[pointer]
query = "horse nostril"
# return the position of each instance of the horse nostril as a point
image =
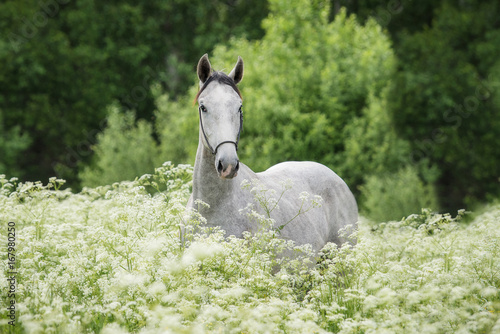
(220, 167)
(237, 167)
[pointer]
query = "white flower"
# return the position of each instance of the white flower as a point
(127, 279)
(157, 288)
(198, 251)
(490, 292)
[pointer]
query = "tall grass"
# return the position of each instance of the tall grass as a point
(110, 259)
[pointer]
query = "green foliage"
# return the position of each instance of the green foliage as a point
(376, 159)
(12, 143)
(177, 127)
(111, 260)
(394, 196)
(372, 146)
(315, 80)
(167, 178)
(455, 82)
(306, 81)
(305, 84)
(444, 96)
(398, 17)
(64, 62)
(125, 150)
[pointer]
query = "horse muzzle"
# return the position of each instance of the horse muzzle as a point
(227, 168)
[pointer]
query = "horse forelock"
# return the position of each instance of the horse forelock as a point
(221, 78)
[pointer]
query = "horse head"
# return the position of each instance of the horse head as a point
(221, 117)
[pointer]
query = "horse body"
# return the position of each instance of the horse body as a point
(218, 174)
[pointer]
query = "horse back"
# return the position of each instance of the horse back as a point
(339, 205)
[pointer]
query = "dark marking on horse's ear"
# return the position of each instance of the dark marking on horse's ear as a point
(237, 73)
(204, 69)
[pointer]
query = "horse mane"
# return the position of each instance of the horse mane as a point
(220, 77)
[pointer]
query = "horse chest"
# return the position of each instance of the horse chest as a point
(223, 209)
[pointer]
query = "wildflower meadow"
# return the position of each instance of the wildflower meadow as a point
(111, 259)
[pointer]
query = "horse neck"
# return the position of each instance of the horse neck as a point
(207, 185)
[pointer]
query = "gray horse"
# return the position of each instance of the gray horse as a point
(218, 174)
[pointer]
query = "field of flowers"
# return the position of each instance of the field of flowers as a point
(111, 260)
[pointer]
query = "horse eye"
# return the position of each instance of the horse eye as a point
(202, 108)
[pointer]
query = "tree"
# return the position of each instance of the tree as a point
(125, 150)
(306, 81)
(444, 96)
(64, 63)
(445, 99)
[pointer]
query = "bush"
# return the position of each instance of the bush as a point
(125, 150)
(372, 146)
(394, 196)
(177, 126)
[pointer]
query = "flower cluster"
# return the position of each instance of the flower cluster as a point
(111, 260)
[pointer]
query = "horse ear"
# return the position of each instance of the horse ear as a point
(204, 69)
(237, 73)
